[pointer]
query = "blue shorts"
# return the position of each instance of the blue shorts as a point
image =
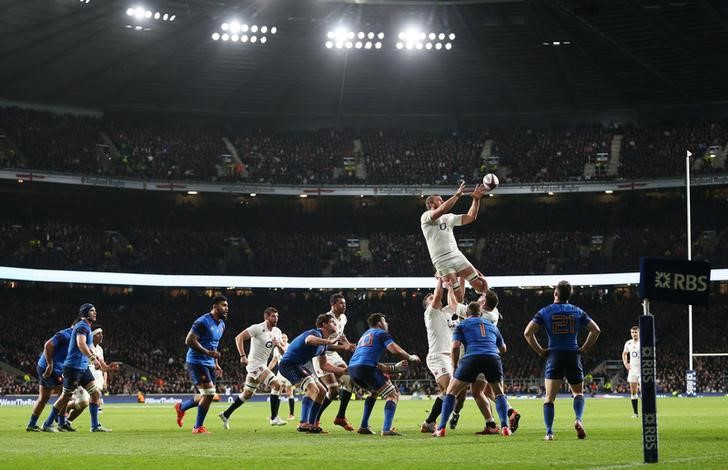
(294, 373)
(201, 374)
(72, 378)
(567, 364)
(470, 366)
(367, 377)
(55, 380)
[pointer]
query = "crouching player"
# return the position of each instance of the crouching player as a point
(483, 343)
(293, 366)
(365, 372)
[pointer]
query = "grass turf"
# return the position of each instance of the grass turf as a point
(693, 433)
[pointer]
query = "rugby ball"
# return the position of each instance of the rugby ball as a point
(490, 181)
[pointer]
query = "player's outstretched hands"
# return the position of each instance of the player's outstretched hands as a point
(461, 189)
(479, 191)
(401, 366)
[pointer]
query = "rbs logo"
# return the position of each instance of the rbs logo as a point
(679, 281)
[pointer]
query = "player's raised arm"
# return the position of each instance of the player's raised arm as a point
(591, 337)
(530, 334)
(437, 295)
(472, 214)
(447, 205)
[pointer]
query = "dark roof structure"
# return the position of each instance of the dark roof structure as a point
(507, 56)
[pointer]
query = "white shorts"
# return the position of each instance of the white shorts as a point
(256, 369)
(99, 381)
(80, 394)
(439, 364)
(332, 358)
(452, 263)
(633, 377)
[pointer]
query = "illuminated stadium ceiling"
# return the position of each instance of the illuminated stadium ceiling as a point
(506, 57)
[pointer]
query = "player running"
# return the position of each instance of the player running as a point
(437, 226)
(562, 322)
(365, 371)
(631, 361)
(294, 366)
(264, 338)
(202, 361)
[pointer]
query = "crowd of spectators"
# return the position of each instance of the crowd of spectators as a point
(155, 149)
(145, 330)
(59, 244)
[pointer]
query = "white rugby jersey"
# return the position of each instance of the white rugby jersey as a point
(439, 234)
(261, 342)
(340, 325)
(99, 353)
(633, 349)
(439, 325)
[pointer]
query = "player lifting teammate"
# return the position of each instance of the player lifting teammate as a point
(437, 226)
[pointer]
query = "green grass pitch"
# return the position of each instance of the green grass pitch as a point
(693, 433)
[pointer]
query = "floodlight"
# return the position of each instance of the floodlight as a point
(448, 46)
(361, 35)
(349, 44)
(273, 30)
(370, 35)
(400, 45)
(235, 27)
(339, 44)
(130, 12)
(378, 45)
(438, 46)
(234, 37)
(244, 28)
(432, 36)
(263, 29)
(254, 28)
(452, 36)
(380, 35)
(165, 17)
(263, 40)
(428, 46)
(147, 14)
(216, 36)
(418, 45)
(225, 26)
(253, 39)
(368, 45)
(225, 37)
(157, 15)
(358, 45)
(244, 38)
(441, 36)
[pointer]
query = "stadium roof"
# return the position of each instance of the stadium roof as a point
(621, 54)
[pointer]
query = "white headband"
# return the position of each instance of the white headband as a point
(96, 331)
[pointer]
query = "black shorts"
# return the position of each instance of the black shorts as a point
(470, 366)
